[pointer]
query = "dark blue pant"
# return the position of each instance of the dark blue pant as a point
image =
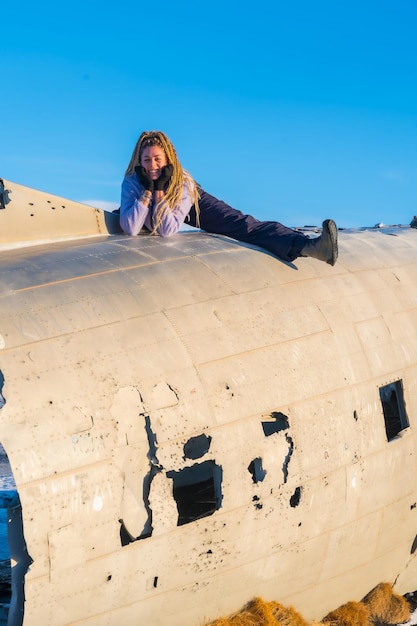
(218, 217)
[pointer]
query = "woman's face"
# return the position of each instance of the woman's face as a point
(153, 160)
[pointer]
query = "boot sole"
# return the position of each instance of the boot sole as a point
(329, 226)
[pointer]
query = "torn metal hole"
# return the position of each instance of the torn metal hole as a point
(4, 195)
(125, 536)
(280, 422)
(2, 398)
(196, 447)
(258, 504)
(154, 468)
(393, 406)
(197, 491)
(256, 470)
(296, 497)
(288, 456)
(12, 547)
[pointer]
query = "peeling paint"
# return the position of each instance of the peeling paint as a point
(288, 456)
(164, 396)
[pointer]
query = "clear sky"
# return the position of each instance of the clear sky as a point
(293, 110)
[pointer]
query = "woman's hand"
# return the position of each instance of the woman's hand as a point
(144, 178)
(166, 173)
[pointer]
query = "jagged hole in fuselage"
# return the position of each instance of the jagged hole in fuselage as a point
(14, 559)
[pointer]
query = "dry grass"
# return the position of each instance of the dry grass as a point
(287, 616)
(380, 606)
(261, 613)
(387, 606)
(349, 614)
(256, 613)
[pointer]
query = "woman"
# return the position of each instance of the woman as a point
(157, 194)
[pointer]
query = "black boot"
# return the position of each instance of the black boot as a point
(323, 248)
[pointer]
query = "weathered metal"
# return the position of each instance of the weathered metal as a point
(192, 422)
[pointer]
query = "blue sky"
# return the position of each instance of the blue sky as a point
(294, 111)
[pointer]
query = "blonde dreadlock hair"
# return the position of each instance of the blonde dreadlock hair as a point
(179, 176)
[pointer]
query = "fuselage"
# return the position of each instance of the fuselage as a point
(192, 422)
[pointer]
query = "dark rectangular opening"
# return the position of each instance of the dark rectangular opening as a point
(197, 491)
(393, 406)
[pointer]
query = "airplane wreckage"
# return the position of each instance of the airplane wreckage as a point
(191, 422)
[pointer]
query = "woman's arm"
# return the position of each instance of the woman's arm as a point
(171, 217)
(134, 205)
(137, 211)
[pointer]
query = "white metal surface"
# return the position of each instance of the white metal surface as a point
(128, 360)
